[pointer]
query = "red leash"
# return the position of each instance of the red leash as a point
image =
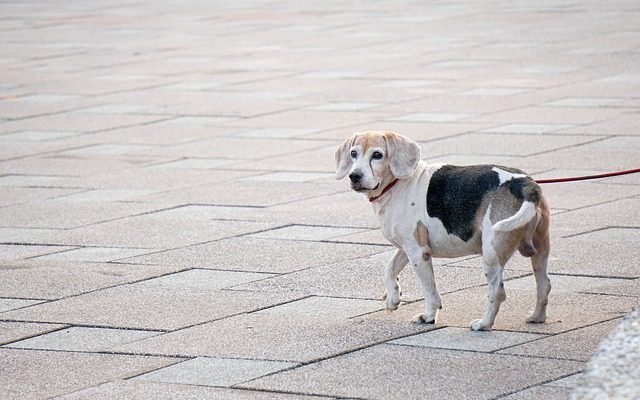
(584, 178)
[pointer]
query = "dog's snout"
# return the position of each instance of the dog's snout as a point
(355, 176)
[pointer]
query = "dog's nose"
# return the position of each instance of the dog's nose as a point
(355, 177)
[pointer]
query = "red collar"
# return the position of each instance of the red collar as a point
(385, 190)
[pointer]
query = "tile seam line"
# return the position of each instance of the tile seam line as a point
(538, 384)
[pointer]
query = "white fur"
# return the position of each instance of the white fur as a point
(524, 215)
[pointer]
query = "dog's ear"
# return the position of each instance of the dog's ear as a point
(403, 153)
(343, 158)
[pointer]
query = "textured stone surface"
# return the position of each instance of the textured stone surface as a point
(167, 194)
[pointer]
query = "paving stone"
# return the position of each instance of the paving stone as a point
(204, 279)
(40, 374)
(325, 307)
(289, 336)
(432, 117)
(148, 307)
(365, 373)
(54, 279)
(215, 371)
(574, 345)
(540, 392)
(257, 255)
(140, 390)
(14, 304)
(82, 339)
(465, 339)
(12, 252)
(362, 278)
(301, 232)
(566, 311)
(14, 331)
(94, 254)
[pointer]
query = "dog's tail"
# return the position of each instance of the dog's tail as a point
(525, 214)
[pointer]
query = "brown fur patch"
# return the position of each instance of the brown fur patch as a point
(421, 234)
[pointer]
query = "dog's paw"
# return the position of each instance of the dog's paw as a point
(420, 319)
(480, 325)
(536, 318)
(391, 301)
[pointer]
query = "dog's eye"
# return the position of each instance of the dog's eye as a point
(354, 154)
(376, 155)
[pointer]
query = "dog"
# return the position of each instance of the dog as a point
(439, 210)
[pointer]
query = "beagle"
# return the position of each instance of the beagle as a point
(439, 210)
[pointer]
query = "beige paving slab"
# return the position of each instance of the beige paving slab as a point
(140, 390)
(53, 279)
(258, 255)
(14, 331)
(366, 374)
(40, 374)
(576, 345)
(288, 336)
(218, 372)
(147, 307)
(82, 339)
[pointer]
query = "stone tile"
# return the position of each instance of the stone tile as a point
(141, 390)
(98, 195)
(288, 337)
(585, 102)
(365, 373)
(432, 117)
(540, 392)
(325, 307)
(42, 279)
(14, 331)
(153, 231)
(576, 345)
(148, 307)
(12, 252)
(14, 304)
(63, 215)
(301, 232)
(215, 371)
(111, 150)
(274, 133)
(290, 177)
(201, 279)
(566, 311)
(36, 136)
(258, 255)
(200, 163)
(82, 339)
(466, 339)
(528, 128)
(40, 374)
(345, 106)
(362, 278)
(94, 254)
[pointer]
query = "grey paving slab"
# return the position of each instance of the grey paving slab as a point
(93, 254)
(140, 390)
(215, 371)
(155, 232)
(53, 279)
(324, 307)
(14, 331)
(203, 279)
(258, 255)
(576, 345)
(363, 278)
(8, 304)
(11, 252)
(465, 339)
(288, 337)
(540, 392)
(82, 339)
(566, 311)
(42, 374)
(147, 307)
(366, 374)
(302, 232)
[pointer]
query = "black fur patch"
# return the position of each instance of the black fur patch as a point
(455, 194)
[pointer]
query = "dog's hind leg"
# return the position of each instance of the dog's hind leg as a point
(496, 295)
(539, 265)
(391, 272)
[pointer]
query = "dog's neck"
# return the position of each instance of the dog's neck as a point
(385, 189)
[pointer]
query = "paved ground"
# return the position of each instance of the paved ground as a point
(170, 226)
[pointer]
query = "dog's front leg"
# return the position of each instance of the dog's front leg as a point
(391, 286)
(421, 261)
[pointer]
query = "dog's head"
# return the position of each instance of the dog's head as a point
(373, 159)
